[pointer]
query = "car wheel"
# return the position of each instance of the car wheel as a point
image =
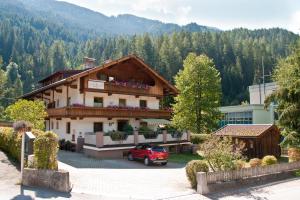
(164, 163)
(130, 157)
(147, 161)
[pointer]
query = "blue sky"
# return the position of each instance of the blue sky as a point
(224, 14)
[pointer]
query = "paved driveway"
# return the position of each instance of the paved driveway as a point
(122, 178)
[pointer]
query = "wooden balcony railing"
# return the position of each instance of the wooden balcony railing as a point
(108, 112)
(119, 89)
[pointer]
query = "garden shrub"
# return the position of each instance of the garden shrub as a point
(294, 154)
(255, 162)
(148, 132)
(117, 135)
(240, 164)
(268, 160)
(198, 138)
(128, 129)
(10, 142)
(45, 151)
(192, 168)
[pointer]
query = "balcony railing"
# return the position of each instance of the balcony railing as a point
(109, 112)
(126, 88)
(133, 139)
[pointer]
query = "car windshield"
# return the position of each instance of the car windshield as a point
(158, 149)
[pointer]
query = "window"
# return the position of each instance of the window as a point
(143, 124)
(57, 103)
(122, 102)
(251, 144)
(102, 77)
(98, 102)
(98, 127)
(57, 125)
(68, 127)
(143, 104)
(52, 125)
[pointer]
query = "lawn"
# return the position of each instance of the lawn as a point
(183, 157)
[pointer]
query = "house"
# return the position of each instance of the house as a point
(254, 112)
(258, 140)
(99, 103)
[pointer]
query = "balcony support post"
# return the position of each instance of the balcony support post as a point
(99, 139)
(165, 133)
(136, 137)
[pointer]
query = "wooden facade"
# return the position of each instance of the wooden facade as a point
(257, 140)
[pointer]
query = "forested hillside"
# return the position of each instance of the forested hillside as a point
(32, 47)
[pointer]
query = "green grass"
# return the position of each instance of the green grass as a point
(183, 157)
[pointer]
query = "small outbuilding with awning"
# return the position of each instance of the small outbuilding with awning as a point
(258, 140)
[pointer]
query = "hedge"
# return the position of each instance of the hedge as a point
(45, 151)
(10, 141)
(268, 160)
(192, 168)
(199, 138)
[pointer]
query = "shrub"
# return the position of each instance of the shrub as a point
(240, 164)
(117, 135)
(192, 168)
(268, 160)
(128, 129)
(45, 151)
(199, 138)
(220, 153)
(294, 154)
(11, 141)
(255, 162)
(148, 132)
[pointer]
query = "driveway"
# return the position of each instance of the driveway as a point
(123, 178)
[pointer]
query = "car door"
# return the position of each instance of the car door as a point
(137, 151)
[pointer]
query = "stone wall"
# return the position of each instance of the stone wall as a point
(56, 180)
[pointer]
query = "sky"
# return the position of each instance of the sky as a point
(223, 14)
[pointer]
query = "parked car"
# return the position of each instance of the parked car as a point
(149, 154)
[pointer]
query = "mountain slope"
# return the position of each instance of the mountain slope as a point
(87, 21)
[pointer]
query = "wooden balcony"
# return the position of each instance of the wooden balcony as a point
(82, 112)
(119, 89)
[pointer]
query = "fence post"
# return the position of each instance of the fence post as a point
(79, 144)
(99, 139)
(202, 187)
(136, 137)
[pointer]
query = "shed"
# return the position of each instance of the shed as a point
(259, 139)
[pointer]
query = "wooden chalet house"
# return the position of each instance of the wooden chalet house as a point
(97, 102)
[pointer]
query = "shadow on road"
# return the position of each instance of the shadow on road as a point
(38, 193)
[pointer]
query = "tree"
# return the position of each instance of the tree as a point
(30, 111)
(287, 77)
(196, 106)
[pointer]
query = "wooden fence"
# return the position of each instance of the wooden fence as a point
(204, 179)
(6, 124)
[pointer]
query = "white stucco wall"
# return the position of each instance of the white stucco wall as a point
(80, 127)
(258, 93)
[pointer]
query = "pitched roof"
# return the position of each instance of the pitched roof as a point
(245, 130)
(64, 73)
(100, 68)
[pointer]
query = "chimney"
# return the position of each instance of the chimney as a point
(89, 62)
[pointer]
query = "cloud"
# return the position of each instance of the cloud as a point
(224, 14)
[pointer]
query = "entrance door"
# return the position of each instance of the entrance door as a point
(122, 124)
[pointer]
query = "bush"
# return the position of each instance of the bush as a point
(199, 138)
(192, 168)
(117, 135)
(294, 154)
(128, 129)
(255, 162)
(45, 151)
(268, 160)
(240, 164)
(11, 141)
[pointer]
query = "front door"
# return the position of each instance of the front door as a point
(122, 124)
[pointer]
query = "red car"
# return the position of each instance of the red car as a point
(149, 154)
